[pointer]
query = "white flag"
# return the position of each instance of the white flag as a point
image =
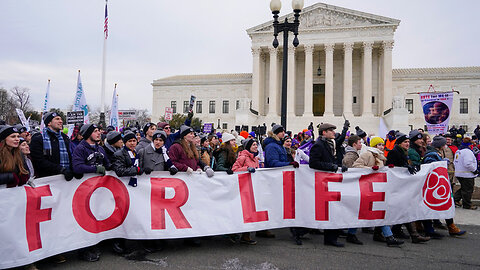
(114, 111)
(23, 119)
(46, 104)
(80, 103)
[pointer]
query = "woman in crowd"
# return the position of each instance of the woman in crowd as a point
(154, 157)
(13, 171)
(225, 155)
(287, 144)
(417, 147)
(300, 156)
(205, 150)
(25, 149)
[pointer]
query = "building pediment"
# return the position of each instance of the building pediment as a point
(322, 16)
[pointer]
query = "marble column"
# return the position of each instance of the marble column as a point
(291, 82)
(308, 100)
(347, 80)
(387, 74)
(256, 51)
(367, 79)
(329, 80)
(273, 91)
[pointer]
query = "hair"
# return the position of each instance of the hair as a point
(189, 148)
(353, 139)
(227, 147)
(11, 159)
(424, 137)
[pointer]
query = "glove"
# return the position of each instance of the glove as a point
(139, 171)
(173, 170)
(411, 169)
(344, 168)
(67, 173)
(190, 115)
(295, 164)
(251, 170)
(229, 171)
(375, 168)
(147, 170)
(346, 124)
(189, 170)
(209, 171)
(390, 166)
(132, 182)
(100, 170)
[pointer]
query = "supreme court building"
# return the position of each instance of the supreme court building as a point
(342, 68)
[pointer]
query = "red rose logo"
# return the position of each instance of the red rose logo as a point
(437, 191)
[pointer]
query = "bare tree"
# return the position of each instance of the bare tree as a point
(21, 98)
(7, 107)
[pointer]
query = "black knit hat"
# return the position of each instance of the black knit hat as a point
(277, 129)
(247, 144)
(20, 128)
(128, 136)
(87, 130)
(147, 126)
(113, 137)
(400, 137)
(184, 130)
(6, 131)
(159, 134)
(360, 132)
(48, 117)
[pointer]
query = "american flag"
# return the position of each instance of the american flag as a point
(105, 25)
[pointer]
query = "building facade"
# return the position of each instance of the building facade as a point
(341, 69)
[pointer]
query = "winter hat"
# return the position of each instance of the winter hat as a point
(244, 134)
(325, 126)
(159, 134)
(110, 128)
(375, 141)
(439, 141)
(128, 136)
(227, 137)
(162, 125)
(360, 132)
(295, 142)
(21, 140)
(20, 128)
(87, 130)
(184, 130)
(252, 134)
(247, 144)
(308, 132)
(401, 137)
(48, 117)
(219, 135)
(277, 129)
(147, 126)
(113, 137)
(6, 131)
(203, 139)
(415, 135)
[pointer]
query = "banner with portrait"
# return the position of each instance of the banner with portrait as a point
(437, 109)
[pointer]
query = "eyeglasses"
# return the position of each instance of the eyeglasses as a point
(166, 128)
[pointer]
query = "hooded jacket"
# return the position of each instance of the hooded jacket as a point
(244, 161)
(373, 157)
(275, 153)
(351, 154)
(465, 163)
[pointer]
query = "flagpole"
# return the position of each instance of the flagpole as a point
(102, 98)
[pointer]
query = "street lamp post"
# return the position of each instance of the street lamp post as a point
(285, 27)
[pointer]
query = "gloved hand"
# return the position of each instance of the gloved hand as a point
(78, 175)
(100, 170)
(251, 170)
(411, 169)
(189, 170)
(209, 171)
(139, 171)
(346, 124)
(344, 168)
(190, 115)
(147, 170)
(295, 164)
(133, 182)
(173, 170)
(391, 166)
(67, 173)
(375, 168)
(229, 171)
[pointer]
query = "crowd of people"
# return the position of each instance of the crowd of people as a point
(133, 152)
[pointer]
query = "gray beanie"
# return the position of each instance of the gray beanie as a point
(87, 130)
(414, 135)
(113, 137)
(159, 134)
(439, 141)
(184, 130)
(277, 129)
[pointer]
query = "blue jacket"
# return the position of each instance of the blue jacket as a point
(85, 158)
(431, 156)
(275, 153)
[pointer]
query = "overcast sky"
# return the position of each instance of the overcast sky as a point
(152, 39)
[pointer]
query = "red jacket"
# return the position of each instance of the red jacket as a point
(180, 160)
(245, 159)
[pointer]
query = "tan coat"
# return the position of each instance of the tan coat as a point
(370, 158)
(446, 152)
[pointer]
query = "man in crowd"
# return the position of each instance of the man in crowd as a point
(148, 130)
(171, 137)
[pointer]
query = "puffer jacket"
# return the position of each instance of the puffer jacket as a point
(275, 153)
(123, 165)
(86, 158)
(244, 161)
(373, 157)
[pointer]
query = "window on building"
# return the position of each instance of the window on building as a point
(373, 99)
(199, 107)
(173, 105)
(354, 99)
(186, 105)
(237, 104)
(211, 106)
(225, 106)
(465, 127)
(464, 105)
(409, 105)
(224, 126)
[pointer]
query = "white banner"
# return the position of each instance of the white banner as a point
(114, 121)
(80, 102)
(436, 109)
(59, 216)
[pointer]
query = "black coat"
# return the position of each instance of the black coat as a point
(398, 157)
(321, 156)
(123, 165)
(47, 164)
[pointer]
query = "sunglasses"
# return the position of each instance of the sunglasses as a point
(166, 128)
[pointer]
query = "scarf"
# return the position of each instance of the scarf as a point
(331, 143)
(47, 147)
(133, 156)
(162, 151)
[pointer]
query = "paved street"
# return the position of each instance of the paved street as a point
(281, 253)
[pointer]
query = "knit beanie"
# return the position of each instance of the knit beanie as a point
(87, 130)
(159, 134)
(48, 117)
(375, 141)
(252, 134)
(128, 136)
(184, 130)
(162, 125)
(247, 144)
(146, 127)
(244, 134)
(415, 135)
(113, 137)
(20, 128)
(277, 129)
(227, 137)
(439, 141)
(360, 132)
(400, 137)
(6, 131)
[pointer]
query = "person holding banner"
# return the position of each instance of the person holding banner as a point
(126, 160)
(13, 170)
(154, 157)
(148, 131)
(171, 138)
(89, 156)
(225, 156)
(113, 143)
